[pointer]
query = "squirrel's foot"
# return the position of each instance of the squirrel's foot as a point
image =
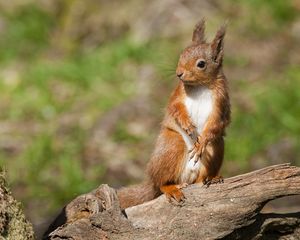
(215, 180)
(174, 192)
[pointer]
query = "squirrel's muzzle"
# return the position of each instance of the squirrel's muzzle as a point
(180, 74)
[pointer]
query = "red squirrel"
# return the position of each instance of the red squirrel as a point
(190, 145)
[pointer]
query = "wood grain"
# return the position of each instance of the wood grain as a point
(230, 210)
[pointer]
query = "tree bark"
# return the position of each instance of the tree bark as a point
(230, 210)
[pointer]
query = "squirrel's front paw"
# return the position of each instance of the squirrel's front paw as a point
(197, 152)
(189, 128)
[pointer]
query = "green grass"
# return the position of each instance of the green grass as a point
(27, 32)
(281, 11)
(263, 19)
(84, 84)
(274, 115)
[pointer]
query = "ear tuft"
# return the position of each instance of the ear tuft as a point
(198, 34)
(217, 44)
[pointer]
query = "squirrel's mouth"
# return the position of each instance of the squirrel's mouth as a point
(190, 82)
(194, 82)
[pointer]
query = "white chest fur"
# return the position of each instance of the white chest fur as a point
(199, 105)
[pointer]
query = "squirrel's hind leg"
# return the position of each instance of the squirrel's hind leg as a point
(212, 162)
(174, 191)
(207, 179)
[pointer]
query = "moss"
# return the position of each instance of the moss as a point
(13, 224)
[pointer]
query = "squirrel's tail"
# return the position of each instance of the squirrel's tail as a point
(137, 194)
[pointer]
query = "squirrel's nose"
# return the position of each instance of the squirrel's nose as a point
(179, 74)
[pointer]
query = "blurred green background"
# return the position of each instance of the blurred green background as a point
(83, 86)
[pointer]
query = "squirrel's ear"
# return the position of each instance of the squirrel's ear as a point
(217, 45)
(198, 34)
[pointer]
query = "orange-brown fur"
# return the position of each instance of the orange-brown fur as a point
(169, 157)
(137, 194)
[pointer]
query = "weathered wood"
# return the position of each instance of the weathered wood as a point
(230, 210)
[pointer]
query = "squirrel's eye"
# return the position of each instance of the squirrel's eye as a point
(201, 64)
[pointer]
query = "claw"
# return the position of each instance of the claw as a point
(192, 154)
(198, 150)
(195, 156)
(190, 130)
(182, 185)
(174, 193)
(202, 150)
(195, 162)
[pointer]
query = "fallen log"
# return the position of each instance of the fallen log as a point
(230, 210)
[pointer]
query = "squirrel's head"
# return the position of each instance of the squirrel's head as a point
(201, 61)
